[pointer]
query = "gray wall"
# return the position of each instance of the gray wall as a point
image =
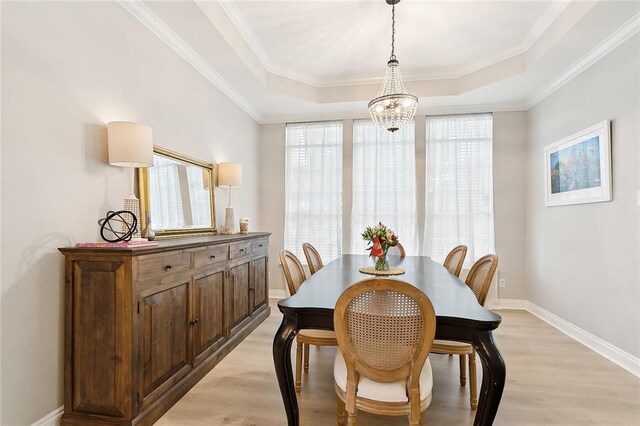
(67, 69)
(583, 259)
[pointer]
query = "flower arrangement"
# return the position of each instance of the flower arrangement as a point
(381, 238)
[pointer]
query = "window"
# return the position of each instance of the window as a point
(459, 190)
(384, 180)
(313, 188)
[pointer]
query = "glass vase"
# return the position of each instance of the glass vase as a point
(382, 262)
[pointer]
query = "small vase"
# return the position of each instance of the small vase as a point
(382, 262)
(147, 232)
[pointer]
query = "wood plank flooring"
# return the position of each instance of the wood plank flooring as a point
(551, 380)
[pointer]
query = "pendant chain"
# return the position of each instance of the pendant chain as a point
(393, 31)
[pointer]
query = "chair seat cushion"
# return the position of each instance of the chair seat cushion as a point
(378, 391)
(450, 346)
(317, 334)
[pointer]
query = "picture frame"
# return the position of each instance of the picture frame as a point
(578, 167)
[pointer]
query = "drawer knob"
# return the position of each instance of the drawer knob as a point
(241, 250)
(259, 245)
(168, 267)
(213, 256)
(194, 322)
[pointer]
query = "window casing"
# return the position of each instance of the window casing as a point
(459, 187)
(313, 188)
(384, 183)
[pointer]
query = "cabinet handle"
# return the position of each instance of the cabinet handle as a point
(259, 245)
(168, 267)
(213, 256)
(194, 322)
(241, 250)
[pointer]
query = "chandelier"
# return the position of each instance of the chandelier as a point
(393, 108)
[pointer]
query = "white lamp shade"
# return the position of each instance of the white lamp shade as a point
(130, 144)
(230, 175)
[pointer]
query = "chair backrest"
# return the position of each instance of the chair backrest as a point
(385, 328)
(293, 271)
(313, 258)
(480, 276)
(455, 260)
(396, 250)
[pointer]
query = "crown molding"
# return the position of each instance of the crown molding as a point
(622, 34)
(158, 27)
(422, 111)
(244, 29)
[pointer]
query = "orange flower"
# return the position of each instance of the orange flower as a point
(376, 250)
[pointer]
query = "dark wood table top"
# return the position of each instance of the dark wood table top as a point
(450, 297)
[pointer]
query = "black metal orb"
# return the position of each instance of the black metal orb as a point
(121, 225)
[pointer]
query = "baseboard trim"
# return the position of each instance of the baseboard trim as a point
(277, 294)
(613, 353)
(509, 304)
(51, 419)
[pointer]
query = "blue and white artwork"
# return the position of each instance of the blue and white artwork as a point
(576, 167)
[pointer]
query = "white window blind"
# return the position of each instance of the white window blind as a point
(459, 199)
(313, 188)
(384, 179)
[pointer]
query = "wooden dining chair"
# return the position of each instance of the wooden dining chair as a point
(478, 280)
(314, 261)
(385, 328)
(396, 250)
(455, 260)
(294, 275)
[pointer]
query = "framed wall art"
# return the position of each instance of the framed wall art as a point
(578, 167)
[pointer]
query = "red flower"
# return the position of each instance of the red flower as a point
(376, 250)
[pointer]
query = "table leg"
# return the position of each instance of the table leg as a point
(282, 362)
(493, 378)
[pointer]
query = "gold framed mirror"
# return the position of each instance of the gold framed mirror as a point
(177, 194)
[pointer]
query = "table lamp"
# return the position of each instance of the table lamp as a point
(229, 176)
(130, 145)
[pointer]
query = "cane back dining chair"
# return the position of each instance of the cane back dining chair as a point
(396, 250)
(478, 280)
(455, 259)
(385, 328)
(314, 261)
(294, 276)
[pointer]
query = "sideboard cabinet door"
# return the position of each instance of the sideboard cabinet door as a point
(259, 283)
(166, 352)
(239, 294)
(208, 314)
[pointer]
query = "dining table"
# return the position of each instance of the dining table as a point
(459, 317)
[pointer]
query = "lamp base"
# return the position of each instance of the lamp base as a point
(132, 204)
(229, 226)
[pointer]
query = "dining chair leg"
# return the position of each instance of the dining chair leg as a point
(340, 412)
(306, 357)
(473, 382)
(463, 369)
(299, 349)
(423, 418)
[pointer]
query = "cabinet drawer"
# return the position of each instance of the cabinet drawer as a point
(163, 264)
(261, 245)
(210, 255)
(239, 249)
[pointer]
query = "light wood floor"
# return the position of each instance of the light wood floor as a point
(551, 380)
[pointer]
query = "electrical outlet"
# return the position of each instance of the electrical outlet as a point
(503, 282)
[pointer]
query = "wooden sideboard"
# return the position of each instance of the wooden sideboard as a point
(144, 325)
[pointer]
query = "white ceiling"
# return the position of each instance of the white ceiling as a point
(328, 43)
(305, 60)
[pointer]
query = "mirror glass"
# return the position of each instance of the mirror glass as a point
(177, 194)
